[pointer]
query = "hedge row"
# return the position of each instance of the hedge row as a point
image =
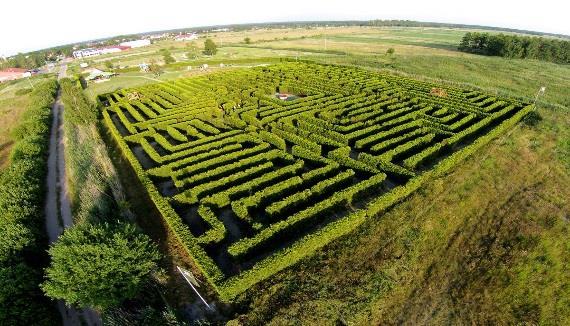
(22, 225)
(400, 117)
(201, 259)
(224, 198)
(228, 169)
(316, 240)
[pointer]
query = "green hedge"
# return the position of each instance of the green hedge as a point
(22, 224)
(331, 135)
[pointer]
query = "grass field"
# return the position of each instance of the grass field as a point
(487, 243)
(420, 52)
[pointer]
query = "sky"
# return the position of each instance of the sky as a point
(35, 24)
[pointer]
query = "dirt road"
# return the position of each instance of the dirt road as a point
(58, 208)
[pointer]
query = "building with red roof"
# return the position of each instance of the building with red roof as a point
(13, 73)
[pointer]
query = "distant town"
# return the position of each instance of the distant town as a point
(11, 68)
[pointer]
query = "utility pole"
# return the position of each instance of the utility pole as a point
(540, 92)
(30, 81)
(325, 37)
(192, 280)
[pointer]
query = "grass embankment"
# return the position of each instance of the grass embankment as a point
(99, 198)
(94, 187)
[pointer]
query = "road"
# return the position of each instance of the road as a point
(58, 208)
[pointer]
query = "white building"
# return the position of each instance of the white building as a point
(136, 44)
(186, 37)
(91, 52)
(85, 53)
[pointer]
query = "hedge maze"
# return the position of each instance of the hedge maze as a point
(251, 182)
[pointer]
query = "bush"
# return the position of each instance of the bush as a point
(210, 47)
(22, 219)
(99, 265)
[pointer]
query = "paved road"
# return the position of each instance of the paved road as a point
(58, 208)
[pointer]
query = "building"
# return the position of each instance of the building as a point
(186, 37)
(135, 44)
(91, 52)
(13, 73)
(85, 53)
(97, 75)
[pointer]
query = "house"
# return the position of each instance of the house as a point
(13, 73)
(186, 37)
(135, 44)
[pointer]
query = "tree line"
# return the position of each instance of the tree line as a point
(35, 59)
(516, 46)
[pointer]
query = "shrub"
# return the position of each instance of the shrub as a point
(99, 265)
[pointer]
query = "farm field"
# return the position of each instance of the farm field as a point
(251, 183)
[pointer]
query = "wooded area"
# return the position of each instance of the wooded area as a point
(518, 47)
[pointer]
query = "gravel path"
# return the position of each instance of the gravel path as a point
(58, 208)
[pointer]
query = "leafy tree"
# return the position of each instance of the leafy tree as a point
(167, 56)
(247, 40)
(515, 46)
(155, 68)
(390, 51)
(109, 64)
(18, 293)
(99, 265)
(210, 47)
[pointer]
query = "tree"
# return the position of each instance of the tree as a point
(247, 40)
(390, 51)
(210, 47)
(99, 265)
(20, 297)
(167, 56)
(154, 68)
(109, 64)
